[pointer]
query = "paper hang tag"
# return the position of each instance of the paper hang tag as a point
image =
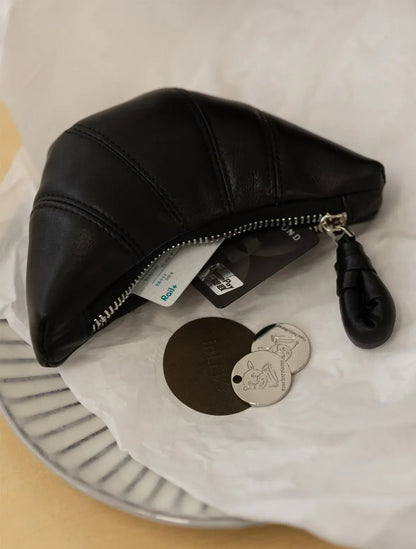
(243, 262)
(172, 273)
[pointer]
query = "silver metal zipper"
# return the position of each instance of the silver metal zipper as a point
(335, 225)
(314, 220)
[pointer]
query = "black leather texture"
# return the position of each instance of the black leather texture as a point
(121, 186)
(367, 308)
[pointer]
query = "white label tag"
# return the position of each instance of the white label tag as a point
(172, 273)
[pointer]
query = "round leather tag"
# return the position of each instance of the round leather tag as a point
(199, 359)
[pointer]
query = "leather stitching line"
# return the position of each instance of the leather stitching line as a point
(137, 167)
(134, 165)
(85, 216)
(269, 157)
(94, 211)
(277, 168)
(222, 165)
(276, 159)
(210, 141)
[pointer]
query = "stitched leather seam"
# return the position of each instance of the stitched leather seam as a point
(212, 146)
(219, 156)
(167, 200)
(269, 156)
(95, 135)
(91, 220)
(277, 166)
(111, 223)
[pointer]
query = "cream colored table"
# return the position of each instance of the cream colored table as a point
(39, 510)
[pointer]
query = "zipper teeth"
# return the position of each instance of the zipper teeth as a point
(312, 219)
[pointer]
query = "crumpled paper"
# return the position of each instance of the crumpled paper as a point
(336, 456)
(17, 191)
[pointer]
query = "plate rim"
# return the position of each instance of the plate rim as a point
(164, 517)
(112, 501)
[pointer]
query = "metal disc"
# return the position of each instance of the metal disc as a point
(261, 378)
(286, 341)
(198, 361)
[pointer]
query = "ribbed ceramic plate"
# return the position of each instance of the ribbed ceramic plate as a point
(78, 446)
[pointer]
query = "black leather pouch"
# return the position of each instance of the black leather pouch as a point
(169, 168)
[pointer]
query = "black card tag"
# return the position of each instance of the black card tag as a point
(241, 263)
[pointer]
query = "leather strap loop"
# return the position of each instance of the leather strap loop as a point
(350, 259)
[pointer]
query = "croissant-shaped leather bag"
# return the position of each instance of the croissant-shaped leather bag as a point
(169, 168)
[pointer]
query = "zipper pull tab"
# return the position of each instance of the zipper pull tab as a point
(367, 308)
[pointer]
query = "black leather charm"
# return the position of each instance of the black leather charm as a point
(166, 168)
(367, 308)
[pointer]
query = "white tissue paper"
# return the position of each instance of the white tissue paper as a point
(337, 455)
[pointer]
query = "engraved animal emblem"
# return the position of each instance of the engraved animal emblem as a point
(282, 346)
(255, 378)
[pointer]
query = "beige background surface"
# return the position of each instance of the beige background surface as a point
(39, 510)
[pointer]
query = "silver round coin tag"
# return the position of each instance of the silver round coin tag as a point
(261, 378)
(287, 342)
